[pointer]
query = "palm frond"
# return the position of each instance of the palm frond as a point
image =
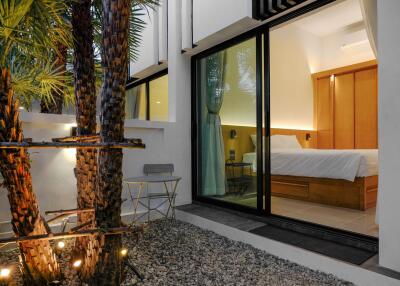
(40, 83)
(31, 32)
(137, 23)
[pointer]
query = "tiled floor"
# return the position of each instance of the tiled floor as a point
(247, 222)
(342, 218)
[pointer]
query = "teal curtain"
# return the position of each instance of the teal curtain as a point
(212, 142)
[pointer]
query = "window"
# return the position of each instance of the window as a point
(147, 99)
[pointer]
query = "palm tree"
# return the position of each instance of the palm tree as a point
(85, 102)
(115, 32)
(87, 33)
(28, 31)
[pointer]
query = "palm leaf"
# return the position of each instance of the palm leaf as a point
(30, 33)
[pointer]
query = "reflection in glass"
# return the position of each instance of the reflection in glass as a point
(227, 107)
(135, 105)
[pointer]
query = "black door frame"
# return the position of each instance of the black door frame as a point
(261, 33)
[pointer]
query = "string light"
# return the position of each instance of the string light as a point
(60, 244)
(4, 273)
(77, 263)
(124, 251)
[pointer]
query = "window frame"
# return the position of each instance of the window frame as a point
(146, 81)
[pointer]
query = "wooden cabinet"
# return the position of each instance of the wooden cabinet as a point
(366, 109)
(346, 107)
(344, 111)
(324, 113)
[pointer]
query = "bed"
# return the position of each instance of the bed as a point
(345, 178)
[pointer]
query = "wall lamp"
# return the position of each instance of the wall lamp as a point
(233, 134)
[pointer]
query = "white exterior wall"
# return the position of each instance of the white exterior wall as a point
(389, 133)
(211, 16)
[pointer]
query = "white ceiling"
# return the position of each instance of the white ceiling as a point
(332, 19)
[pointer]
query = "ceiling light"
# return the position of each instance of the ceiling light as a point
(158, 102)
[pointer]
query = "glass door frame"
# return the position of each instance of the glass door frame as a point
(261, 33)
(196, 140)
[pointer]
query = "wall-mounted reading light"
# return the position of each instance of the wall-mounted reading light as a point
(233, 134)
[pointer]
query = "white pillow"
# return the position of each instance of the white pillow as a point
(285, 142)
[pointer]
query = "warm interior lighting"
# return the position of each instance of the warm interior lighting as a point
(5, 273)
(158, 102)
(77, 263)
(332, 78)
(61, 244)
(124, 251)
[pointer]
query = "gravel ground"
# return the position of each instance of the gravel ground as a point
(176, 253)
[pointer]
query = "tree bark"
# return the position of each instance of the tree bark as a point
(85, 105)
(39, 264)
(56, 105)
(108, 202)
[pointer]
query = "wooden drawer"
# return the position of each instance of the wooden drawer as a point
(290, 190)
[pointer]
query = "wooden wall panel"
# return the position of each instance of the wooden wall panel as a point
(344, 111)
(366, 109)
(324, 113)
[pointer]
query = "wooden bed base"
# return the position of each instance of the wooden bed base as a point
(360, 194)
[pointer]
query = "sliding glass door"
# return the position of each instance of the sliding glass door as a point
(229, 117)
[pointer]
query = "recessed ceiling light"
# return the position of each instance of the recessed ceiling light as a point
(158, 102)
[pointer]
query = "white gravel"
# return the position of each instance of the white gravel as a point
(172, 253)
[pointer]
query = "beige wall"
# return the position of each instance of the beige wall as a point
(295, 54)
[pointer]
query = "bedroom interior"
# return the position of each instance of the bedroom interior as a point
(323, 119)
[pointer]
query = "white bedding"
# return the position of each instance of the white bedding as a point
(334, 164)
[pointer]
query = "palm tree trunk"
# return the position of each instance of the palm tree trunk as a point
(85, 102)
(56, 105)
(39, 264)
(108, 203)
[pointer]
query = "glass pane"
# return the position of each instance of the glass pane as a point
(159, 99)
(135, 106)
(228, 125)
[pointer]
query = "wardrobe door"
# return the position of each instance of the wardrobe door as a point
(324, 113)
(344, 111)
(366, 109)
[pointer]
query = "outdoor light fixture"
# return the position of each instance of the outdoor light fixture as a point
(61, 244)
(77, 263)
(124, 252)
(5, 273)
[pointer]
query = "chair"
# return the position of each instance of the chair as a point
(154, 174)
